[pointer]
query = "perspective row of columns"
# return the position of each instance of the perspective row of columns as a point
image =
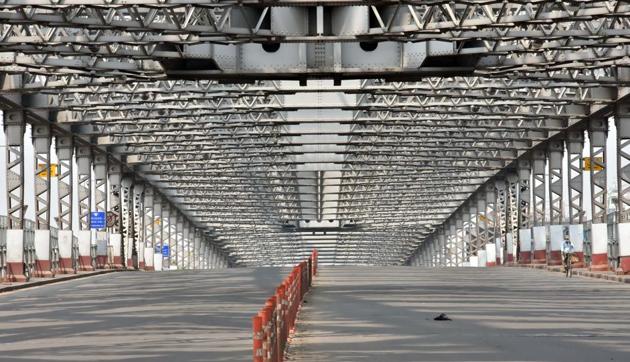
(143, 229)
(526, 214)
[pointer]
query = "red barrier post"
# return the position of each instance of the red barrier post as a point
(258, 338)
(277, 318)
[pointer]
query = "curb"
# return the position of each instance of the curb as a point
(10, 288)
(579, 272)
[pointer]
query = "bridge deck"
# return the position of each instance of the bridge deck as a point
(171, 316)
(498, 314)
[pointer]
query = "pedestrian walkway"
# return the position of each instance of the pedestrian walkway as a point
(135, 316)
(386, 314)
(35, 282)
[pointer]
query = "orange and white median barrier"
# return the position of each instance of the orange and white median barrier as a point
(273, 323)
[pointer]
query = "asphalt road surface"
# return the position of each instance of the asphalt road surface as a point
(137, 316)
(359, 314)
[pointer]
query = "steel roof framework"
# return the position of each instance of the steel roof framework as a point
(397, 160)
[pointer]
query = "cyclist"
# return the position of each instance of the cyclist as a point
(567, 253)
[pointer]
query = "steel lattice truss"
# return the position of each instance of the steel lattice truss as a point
(220, 105)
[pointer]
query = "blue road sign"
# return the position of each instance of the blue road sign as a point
(165, 250)
(97, 220)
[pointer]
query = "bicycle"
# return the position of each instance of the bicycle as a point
(568, 265)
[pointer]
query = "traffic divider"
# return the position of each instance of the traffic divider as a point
(275, 321)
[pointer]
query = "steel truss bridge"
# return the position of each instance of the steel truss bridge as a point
(381, 132)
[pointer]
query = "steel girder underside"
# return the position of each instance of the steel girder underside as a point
(357, 127)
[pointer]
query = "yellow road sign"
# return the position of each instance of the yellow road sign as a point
(43, 172)
(593, 166)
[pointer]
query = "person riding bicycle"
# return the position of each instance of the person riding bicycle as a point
(567, 252)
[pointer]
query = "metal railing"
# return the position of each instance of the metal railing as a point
(272, 325)
(29, 249)
(613, 243)
(93, 253)
(54, 250)
(75, 254)
(4, 222)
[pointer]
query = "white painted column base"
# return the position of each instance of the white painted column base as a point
(141, 248)
(599, 238)
(101, 249)
(114, 244)
(623, 233)
(481, 258)
(148, 259)
(64, 241)
(43, 266)
(576, 235)
(157, 261)
(491, 254)
(15, 255)
(509, 240)
(85, 244)
(540, 244)
(556, 239)
(474, 261)
(498, 251)
(525, 246)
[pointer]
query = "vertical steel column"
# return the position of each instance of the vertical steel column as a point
(158, 228)
(138, 225)
(598, 129)
(209, 254)
(482, 227)
(42, 139)
(201, 254)
(575, 149)
(64, 148)
(100, 201)
(212, 255)
(84, 234)
(442, 246)
(127, 221)
(460, 238)
(166, 235)
(556, 228)
(524, 211)
(451, 240)
(500, 220)
(190, 246)
(179, 238)
(197, 249)
(185, 245)
(491, 225)
(149, 226)
(116, 247)
(473, 230)
(622, 121)
(512, 217)
(428, 253)
(43, 172)
(14, 128)
(539, 164)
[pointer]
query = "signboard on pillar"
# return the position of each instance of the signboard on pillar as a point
(593, 165)
(166, 252)
(112, 218)
(44, 171)
(97, 220)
